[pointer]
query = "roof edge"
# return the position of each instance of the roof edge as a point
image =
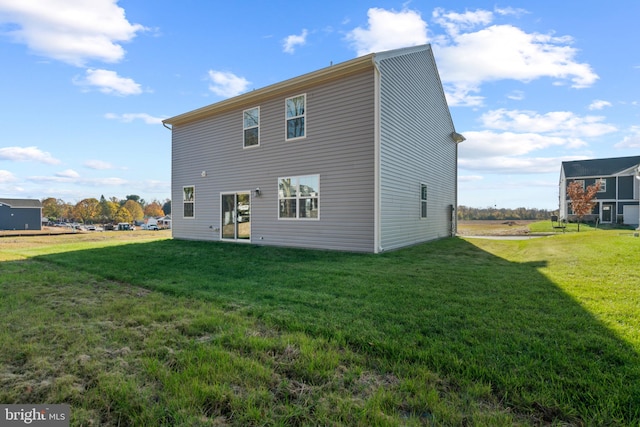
(332, 72)
(324, 74)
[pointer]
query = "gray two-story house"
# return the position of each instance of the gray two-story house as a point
(359, 156)
(617, 199)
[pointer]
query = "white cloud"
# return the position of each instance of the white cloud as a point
(111, 182)
(514, 165)
(130, 117)
(27, 154)
(227, 84)
(69, 173)
(388, 29)
(109, 82)
(510, 11)
(72, 31)
(474, 52)
(98, 165)
(470, 178)
(516, 95)
(70, 179)
(599, 104)
(485, 144)
(632, 140)
(292, 41)
(7, 177)
(454, 22)
(467, 58)
(557, 123)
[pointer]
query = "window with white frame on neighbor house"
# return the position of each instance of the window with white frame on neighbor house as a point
(603, 185)
(189, 201)
(295, 113)
(579, 181)
(251, 127)
(298, 197)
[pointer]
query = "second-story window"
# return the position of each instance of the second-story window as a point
(603, 185)
(295, 111)
(251, 126)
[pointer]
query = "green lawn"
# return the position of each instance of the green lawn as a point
(454, 332)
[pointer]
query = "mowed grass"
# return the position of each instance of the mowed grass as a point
(454, 332)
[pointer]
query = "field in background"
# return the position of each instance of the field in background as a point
(494, 227)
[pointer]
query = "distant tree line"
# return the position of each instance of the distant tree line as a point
(493, 213)
(104, 211)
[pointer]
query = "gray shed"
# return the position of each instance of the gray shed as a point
(20, 214)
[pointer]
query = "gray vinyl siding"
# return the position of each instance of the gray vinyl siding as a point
(339, 147)
(415, 148)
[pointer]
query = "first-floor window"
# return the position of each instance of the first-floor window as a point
(298, 197)
(188, 201)
(423, 200)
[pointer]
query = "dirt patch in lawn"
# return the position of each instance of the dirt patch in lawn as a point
(494, 227)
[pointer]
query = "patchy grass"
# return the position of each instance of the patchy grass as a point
(455, 332)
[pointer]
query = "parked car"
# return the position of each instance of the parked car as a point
(152, 227)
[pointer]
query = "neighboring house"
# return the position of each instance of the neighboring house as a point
(358, 156)
(20, 214)
(164, 222)
(617, 200)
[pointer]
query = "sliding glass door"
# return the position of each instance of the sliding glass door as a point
(236, 216)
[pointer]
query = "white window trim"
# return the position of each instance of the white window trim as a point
(581, 181)
(244, 145)
(603, 185)
(297, 218)
(286, 119)
(189, 201)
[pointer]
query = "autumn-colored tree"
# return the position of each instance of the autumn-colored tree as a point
(153, 209)
(135, 198)
(122, 215)
(53, 208)
(582, 201)
(67, 211)
(87, 210)
(134, 209)
(108, 209)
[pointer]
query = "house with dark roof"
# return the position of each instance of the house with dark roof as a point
(617, 199)
(20, 214)
(358, 156)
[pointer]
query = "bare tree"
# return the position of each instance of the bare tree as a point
(582, 201)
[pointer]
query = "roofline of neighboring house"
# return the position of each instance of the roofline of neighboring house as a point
(21, 203)
(333, 72)
(630, 170)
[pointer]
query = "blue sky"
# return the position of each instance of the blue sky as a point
(85, 85)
